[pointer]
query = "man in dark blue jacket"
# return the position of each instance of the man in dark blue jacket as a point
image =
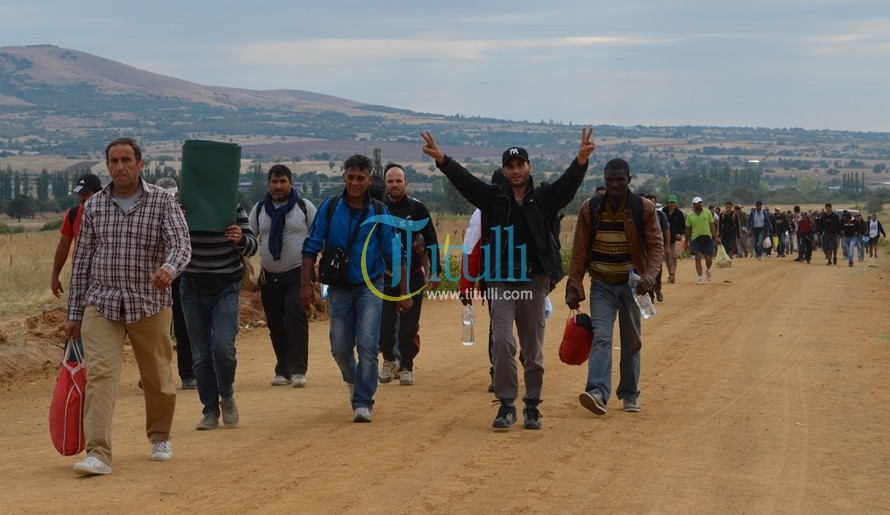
(523, 263)
(354, 305)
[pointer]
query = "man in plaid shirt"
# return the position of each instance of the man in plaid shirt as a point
(133, 241)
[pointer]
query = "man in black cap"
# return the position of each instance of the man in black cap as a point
(524, 263)
(86, 185)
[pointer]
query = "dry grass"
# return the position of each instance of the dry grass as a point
(26, 262)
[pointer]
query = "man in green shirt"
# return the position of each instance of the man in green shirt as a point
(701, 233)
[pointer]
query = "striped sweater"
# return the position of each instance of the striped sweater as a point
(213, 253)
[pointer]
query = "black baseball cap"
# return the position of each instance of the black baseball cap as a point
(87, 182)
(512, 152)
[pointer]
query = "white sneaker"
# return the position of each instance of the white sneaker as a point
(280, 381)
(700, 280)
(91, 466)
(708, 271)
(161, 451)
(389, 370)
(406, 378)
(298, 380)
(362, 415)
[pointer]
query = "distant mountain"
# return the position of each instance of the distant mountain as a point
(30, 72)
(62, 100)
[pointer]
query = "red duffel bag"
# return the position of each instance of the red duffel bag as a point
(577, 339)
(68, 402)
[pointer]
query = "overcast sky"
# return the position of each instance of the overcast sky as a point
(815, 64)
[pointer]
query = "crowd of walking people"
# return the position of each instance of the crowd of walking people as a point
(374, 248)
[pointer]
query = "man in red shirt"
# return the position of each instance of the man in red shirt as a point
(86, 186)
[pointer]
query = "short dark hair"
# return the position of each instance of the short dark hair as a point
(280, 170)
(137, 150)
(828, 204)
(600, 188)
(358, 161)
(617, 164)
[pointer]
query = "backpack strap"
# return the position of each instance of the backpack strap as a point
(72, 214)
(636, 208)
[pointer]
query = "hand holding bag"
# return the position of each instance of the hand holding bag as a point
(68, 402)
(577, 339)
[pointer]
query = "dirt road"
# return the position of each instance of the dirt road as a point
(764, 391)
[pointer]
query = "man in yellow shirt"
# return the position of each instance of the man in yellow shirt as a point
(701, 233)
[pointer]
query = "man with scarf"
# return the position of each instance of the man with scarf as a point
(281, 222)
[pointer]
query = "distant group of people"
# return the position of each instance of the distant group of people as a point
(374, 251)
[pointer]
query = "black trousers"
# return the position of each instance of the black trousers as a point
(288, 325)
(402, 328)
(180, 331)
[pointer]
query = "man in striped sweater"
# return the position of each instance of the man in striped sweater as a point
(210, 290)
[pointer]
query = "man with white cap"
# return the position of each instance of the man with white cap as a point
(701, 233)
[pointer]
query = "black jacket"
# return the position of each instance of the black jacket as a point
(541, 206)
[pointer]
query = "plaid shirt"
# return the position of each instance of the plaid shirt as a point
(117, 253)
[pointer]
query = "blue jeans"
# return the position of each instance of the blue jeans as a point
(606, 302)
(212, 322)
(355, 325)
(759, 234)
(850, 245)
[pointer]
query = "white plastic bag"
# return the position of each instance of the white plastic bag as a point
(767, 243)
(723, 259)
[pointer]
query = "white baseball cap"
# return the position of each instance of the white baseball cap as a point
(696, 200)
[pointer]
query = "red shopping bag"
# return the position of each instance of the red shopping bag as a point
(577, 339)
(68, 402)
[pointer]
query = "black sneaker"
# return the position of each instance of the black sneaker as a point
(506, 417)
(532, 418)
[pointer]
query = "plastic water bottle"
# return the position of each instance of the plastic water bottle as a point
(548, 308)
(468, 319)
(644, 302)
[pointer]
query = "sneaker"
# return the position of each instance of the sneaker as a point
(91, 466)
(161, 451)
(659, 296)
(280, 380)
(298, 380)
(708, 272)
(672, 278)
(362, 415)
(851, 263)
(593, 401)
(389, 369)
(230, 412)
(505, 418)
(630, 405)
(700, 280)
(532, 418)
(210, 421)
(406, 377)
(834, 261)
(829, 263)
(189, 384)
